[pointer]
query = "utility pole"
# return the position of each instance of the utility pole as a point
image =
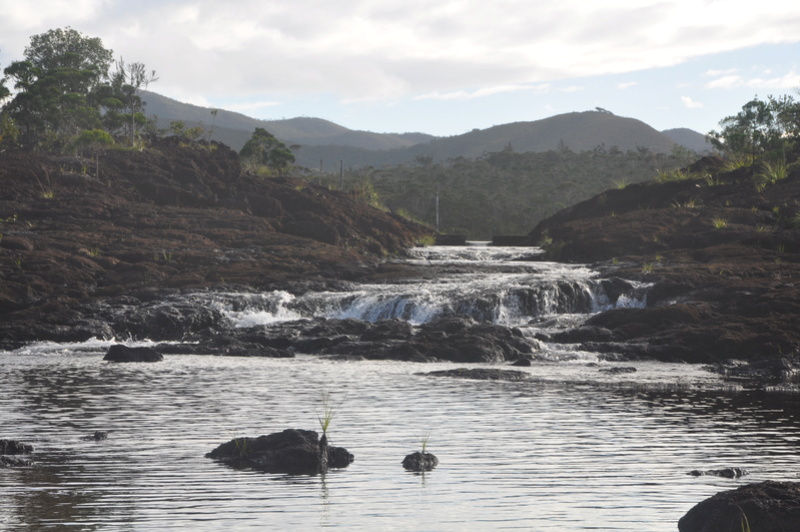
(437, 211)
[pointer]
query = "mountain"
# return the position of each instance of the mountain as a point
(320, 143)
(689, 138)
(235, 129)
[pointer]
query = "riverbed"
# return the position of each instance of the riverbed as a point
(583, 444)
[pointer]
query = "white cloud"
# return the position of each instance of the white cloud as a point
(481, 93)
(627, 85)
(790, 80)
(690, 104)
(363, 50)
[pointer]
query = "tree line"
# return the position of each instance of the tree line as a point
(68, 94)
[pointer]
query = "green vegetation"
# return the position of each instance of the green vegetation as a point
(326, 416)
(719, 223)
(761, 131)
(64, 86)
(264, 150)
(500, 193)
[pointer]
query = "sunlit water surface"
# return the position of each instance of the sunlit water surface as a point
(574, 448)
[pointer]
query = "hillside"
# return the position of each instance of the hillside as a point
(689, 138)
(235, 129)
(722, 253)
(317, 140)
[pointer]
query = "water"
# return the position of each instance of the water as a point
(574, 448)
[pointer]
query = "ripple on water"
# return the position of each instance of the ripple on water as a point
(572, 449)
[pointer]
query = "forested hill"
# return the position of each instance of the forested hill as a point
(315, 140)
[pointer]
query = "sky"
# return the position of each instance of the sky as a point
(442, 67)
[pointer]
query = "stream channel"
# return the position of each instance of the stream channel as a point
(577, 446)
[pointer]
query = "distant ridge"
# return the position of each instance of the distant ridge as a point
(316, 141)
(689, 138)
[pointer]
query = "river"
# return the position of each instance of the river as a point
(576, 447)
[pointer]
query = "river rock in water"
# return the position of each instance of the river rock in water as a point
(121, 353)
(420, 461)
(766, 507)
(293, 451)
(13, 447)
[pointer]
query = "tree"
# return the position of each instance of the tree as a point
(263, 149)
(124, 106)
(761, 128)
(64, 86)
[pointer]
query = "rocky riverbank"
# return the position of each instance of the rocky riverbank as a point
(723, 252)
(145, 224)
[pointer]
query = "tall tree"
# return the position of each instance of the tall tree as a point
(263, 149)
(53, 83)
(760, 128)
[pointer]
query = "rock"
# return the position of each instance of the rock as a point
(14, 461)
(419, 461)
(121, 353)
(481, 374)
(293, 451)
(764, 507)
(99, 435)
(618, 370)
(15, 447)
(728, 472)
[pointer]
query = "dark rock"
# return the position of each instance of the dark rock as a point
(15, 447)
(618, 370)
(728, 472)
(99, 435)
(121, 353)
(293, 451)
(764, 507)
(419, 461)
(481, 374)
(14, 461)
(16, 243)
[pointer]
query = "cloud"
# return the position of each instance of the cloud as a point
(387, 49)
(790, 80)
(482, 93)
(627, 85)
(690, 104)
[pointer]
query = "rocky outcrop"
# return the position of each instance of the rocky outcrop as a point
(451, 338)
(170, 217)
(292, 451)
(765, 507)
(121, 353)
(723, 256)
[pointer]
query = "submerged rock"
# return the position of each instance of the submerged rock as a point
(99, 435)
(15, 447)
(293, 451)
(121, 353)
(14, 461)
(766, 507)
(420, 461)
(481, 374)
(728, 472)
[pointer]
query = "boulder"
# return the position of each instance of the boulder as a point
(14, 461)
(420, 461)
(766, 507)
(293, 451)
(121, 353)
(489, 374)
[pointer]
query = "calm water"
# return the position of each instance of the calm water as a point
(575, 448)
